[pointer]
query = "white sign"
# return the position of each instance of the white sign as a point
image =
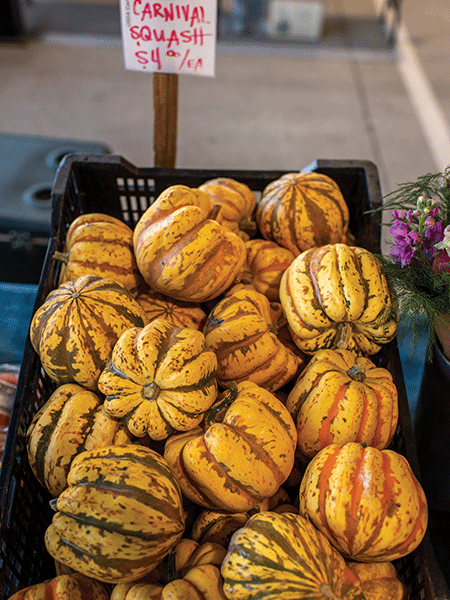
(169, 37)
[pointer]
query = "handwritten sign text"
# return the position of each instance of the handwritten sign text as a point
(169, 37)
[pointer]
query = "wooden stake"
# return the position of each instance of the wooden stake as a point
(165, 105)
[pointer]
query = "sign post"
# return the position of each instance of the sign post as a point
(168, 39)
(165, 119)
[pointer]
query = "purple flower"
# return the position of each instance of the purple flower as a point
(398, 214)
(399, 229)
(403, 253)
(432, 235)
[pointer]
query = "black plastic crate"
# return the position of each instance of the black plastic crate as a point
(88, 183)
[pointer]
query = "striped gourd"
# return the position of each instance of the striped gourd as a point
(102, 245)
(181, 314)
(182, 251)
(160, 378)
(121, 513)
(242, 332)
(379, 580)
(264, 266)
(303, 210)
(242, 456)
(367, 502)
(72, 420)
(342, 397)
(76, 327)
(202, 582)
(276, 556)
(338, 296)
(74, 586)
(237, 205)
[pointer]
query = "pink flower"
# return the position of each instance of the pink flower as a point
(441, 263)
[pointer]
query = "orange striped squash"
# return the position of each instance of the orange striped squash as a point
(242, 332)
(243, 455)
(75, 329)
(181, 314)
(237, 205)
(303, 210)
(182, 251)
(341, 397)
(367, 502)
(264, 266)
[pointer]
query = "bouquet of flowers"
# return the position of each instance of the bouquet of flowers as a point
(419, 263)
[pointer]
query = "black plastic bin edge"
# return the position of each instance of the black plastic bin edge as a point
(436, 587)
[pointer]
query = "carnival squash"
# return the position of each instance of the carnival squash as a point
(219, 525)
(237, 204)
(367, 502)
(121, 513)
(242, 333)
(182, 251)
(160, 378)
(243, 455)
(264, 266)
(101, 245)
(181, 314)
(75, 329)
(64, 587)
(337, 296)
(72, 420)
(341, 397)
(202, 582)
(284, 556)
(300, 211)
(379, 580)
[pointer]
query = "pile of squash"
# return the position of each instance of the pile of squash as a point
(218, 428)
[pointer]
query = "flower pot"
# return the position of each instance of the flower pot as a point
(432, 430)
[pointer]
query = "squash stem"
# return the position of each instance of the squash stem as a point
(214, 212)
(61, 256)
(247, 226)
(217, 411)
(343, 335)
(357, 372)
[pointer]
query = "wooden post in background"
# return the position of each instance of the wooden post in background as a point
(165, 106)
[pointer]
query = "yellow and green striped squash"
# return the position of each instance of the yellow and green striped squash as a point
(71, 421)
(303, 210)
(182, 251)
(121, 513)
(337, 296)
(277, 556)
(102, 245)
(366, 501)
(75, 329)
(160, 378)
